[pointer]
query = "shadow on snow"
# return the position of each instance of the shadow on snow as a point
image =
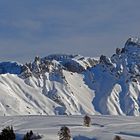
(82, 138)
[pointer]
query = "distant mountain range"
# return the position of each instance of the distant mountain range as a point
(72, 84)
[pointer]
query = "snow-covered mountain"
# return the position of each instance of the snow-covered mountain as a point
(73, 84)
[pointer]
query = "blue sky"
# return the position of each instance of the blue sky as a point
(87, 27)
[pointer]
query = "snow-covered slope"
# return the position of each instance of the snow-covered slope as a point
(52, 85)
(116, 81)
(73, 84)
(102, 127)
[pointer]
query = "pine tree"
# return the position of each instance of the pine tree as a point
(7, 134)
(118, 138)
(31, 136)
(28, 136)
(87, 120)
(64, 133)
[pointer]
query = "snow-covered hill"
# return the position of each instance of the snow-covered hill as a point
(73, 84)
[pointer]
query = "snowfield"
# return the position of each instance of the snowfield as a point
(102, 127)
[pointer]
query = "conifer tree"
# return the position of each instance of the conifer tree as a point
(118, 138)
(64, 133)
(87, 120)
(7, 134)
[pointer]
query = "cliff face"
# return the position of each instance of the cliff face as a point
(116, 81)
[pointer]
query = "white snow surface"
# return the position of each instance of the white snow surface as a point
(102, 127)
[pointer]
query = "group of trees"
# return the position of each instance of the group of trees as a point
(64, 133)
(31, 136)
(9, 134)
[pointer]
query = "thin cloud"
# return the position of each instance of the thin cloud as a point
(90, 28)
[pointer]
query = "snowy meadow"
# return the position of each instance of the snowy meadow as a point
(101, 128)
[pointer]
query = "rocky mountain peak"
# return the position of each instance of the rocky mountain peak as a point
(73, 84)
(133, 42)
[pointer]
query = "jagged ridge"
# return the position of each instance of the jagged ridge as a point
(73, 84)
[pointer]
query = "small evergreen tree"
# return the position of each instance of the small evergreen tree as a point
(27, 136)
(118, 138)
(31, 136)
(64, 133)
(7, 134)
(87, 120)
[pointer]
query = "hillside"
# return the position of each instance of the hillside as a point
(73, 84)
